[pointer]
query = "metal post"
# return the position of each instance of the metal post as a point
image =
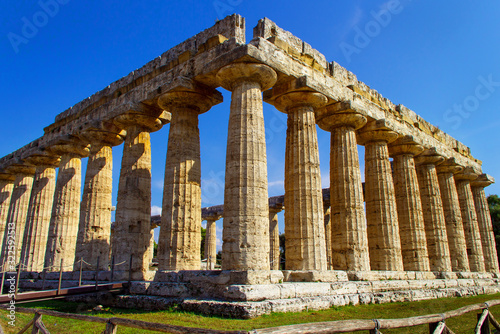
(112, 267)
(97, 273)
(18, 277)
(80, 277)
(130, 271)
(1, 284)
(43, 278)
(60, 277)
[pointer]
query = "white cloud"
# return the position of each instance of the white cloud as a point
(155, 210)
(279, 183)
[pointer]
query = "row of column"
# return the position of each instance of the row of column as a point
(413, 222)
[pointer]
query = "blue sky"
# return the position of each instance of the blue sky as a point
(440, 59)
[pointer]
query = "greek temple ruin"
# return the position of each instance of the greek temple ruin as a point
(418, 227)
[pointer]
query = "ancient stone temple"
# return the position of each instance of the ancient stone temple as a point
(417, 228)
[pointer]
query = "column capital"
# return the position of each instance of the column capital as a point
(276, 208)
(212, 217)
(68, 145)
(41, 158)
(450, 165)
(377, 131)
(149, 123)
(20, 167)
(291, 100)
(405, 145)
(429, 157)
(104, 133)
(230, 76)
(199, 98)
(339, 114)
(467, 174)
(483, 180)
(4, 176)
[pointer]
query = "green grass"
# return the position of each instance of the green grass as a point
(463, 324)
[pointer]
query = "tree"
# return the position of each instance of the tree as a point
(494, 205)
(203, 235)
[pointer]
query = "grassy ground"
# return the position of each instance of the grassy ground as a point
(463, 324)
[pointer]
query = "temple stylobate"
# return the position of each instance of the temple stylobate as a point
(420, 215)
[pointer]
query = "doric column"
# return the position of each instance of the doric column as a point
(274, 237)
(93, 240)
(211, 241)
(484, 221)
(469, 218)
(349, 239)
(63, 229)
(381, 213)
(452, 215)
(328, 235)
(304, 217)
(180, 232)
(6, 187)
(39, 211)
(409, 206)
(19, 203)
(435, 226)
(132, 230)
(246, 210)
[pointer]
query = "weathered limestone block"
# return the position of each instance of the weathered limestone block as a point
(274, 237)
(452, 215)
(304, 217)
(39, 211)
(18, 209)
(132, 231)
(409, 206)
(469, 218)
(349, 240)
(381, 213)
(435, 226)
(484, 222)
(180, 233)
(93, 240)
(63, 229)
(328, 236)
(6, 188)
(211, 242)
(246, 209)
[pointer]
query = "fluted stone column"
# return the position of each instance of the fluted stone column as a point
(180, 232)
(349, 237)
(274, 237)
(63, 229)
(211, 242)
(381, 213)
(246, 210)
(435, 226)
(18, 208)
(94, 232)
(409, 206)
(328, 235)
(39, 211)
(452, 215)
(484, 221)
(304, 217)
(6, 188)
(469, 218)
(132, 230)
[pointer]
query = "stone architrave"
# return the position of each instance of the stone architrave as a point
(484, 221)
(274, 237)
(64, 222)
(469, 218)
(435, 226)
(211, 242)
(452, 215)
(381, 213)
(349, 238)
(246, 209)
(39, 211)
(132, 229)
(18, 208)
(180, 233)
(304, 217)
(94, 233)
(6, 188)
(409, 206)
